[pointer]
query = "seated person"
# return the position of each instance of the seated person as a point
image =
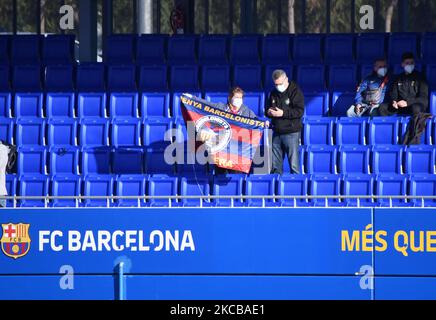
(371, 92)
(409, 92)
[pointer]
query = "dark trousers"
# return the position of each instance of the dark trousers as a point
(388, 110)
(286, 144)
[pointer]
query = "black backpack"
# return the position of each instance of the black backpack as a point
(11, 167)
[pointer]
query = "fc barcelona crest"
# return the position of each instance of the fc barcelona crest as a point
(15, 240)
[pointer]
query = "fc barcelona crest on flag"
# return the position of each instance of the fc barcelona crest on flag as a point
(15, 240)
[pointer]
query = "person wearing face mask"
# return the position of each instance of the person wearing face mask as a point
(285, 107)
(409, 92)
(371, 92)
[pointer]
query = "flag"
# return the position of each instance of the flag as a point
(232, 139)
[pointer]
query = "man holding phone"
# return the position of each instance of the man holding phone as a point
(285, 107)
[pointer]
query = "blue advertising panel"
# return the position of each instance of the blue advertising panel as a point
(409, 235)
(248, 241)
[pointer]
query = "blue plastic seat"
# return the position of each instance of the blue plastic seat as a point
(383, 130)
(370, 46)
(292, 185)
(325, 185)
(91, 105)
(184, 78)
(60, 105)
(182, 49)
(155, 130)
(11, 187)
(119, 49)
(130, 185)
(28, 105)
(98, 185)
(215, 78)
(65, 185)
(341, 102)
(256, 102)
(433, 103)
(64, 160)
(216, 97)
(5, 78)
(188, 164)
(155, 162)
(121, 78)
(353, 159)
(162, 185)
(400, 43)
(260, 185)
(423, 185)
(268, 83)
(153, 78)
(96, 160)
(212, 49)
(30, 132)
(124, 105)
(4, 49)
(90, 77)
(244, 49)
(25, 49)
(428, 47)
(227, 185)
(31, 160)
(32, 185)
(150, 49)
(318, 130)
(58, 49)
(27, 78)
(420, 159)
(59, 78)
(366, 70)
(342, 78)
(126, 132)
(94, 132)
(351, 130)
(356, 184)
(127, 161)
(62, 132)
(311, 79)
(426, 135)
(339, 48)
(431, 76)
(307, 48)
(387, 159)
(194, 186)
(391, 185)
(434, 130)
(155, 104)
(276, 49)
(6, 129)
(321, 159)
(248, 77)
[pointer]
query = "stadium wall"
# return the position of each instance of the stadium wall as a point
(216, 253)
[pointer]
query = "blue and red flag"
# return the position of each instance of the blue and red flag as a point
(232, 139)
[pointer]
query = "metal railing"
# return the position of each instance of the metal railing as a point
(209, 199)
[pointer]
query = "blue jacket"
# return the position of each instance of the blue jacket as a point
(370, 90)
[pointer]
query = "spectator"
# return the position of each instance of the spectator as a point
(285, 106)
(409, 92)
(371, 92)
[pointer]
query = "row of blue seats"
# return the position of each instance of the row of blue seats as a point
(223, 49)
(230, 185)
(31, 49)
(136, 132)
(314, 159)
(97, 77)
(212, 49)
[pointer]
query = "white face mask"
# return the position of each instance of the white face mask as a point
(281, 88)
(237, 102)
(409, 68)
(382, 72)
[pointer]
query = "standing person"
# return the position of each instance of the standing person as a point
(285, 107)
(409, 92)
(371, 92)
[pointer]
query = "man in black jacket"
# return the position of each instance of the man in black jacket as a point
(409, 92)
(285, 107)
